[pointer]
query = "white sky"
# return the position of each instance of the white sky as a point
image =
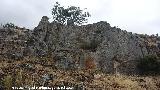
(138, 16)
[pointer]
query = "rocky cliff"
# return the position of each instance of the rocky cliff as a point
(95, 45)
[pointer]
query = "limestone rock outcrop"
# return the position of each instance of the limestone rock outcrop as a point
(72, 45)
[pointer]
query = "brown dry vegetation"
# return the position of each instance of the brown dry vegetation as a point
(17, 74)
(89, 63)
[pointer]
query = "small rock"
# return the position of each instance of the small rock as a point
(1, 73)
(97, 76)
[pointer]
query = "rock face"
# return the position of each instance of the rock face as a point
(13, 43)
(108, 47)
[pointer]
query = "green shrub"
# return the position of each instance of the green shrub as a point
(92, 45)
(70, 16)
(149, 65)
(8, 82)
(10, 25)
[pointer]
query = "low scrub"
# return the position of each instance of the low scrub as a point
(8, 82)
(92, 45)
(149, 65)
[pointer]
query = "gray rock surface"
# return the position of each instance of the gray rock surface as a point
(72, 44)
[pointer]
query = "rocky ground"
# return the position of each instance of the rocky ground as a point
(32, 72)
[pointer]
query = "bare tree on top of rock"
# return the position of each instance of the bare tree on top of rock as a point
(70, 16)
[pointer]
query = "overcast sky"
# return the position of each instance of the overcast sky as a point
(138, 16)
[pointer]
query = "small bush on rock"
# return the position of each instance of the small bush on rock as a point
(90, 46)
(149, 65)
(11, 26)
